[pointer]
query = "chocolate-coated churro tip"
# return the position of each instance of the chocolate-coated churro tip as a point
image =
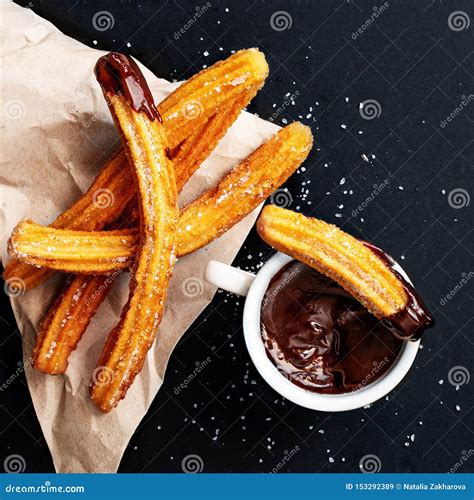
(119, 74)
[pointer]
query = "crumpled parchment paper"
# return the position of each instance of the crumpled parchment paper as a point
(57, 135)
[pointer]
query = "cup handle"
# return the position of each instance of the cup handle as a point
(228, 278)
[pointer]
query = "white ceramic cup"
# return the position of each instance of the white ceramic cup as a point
(253, 287)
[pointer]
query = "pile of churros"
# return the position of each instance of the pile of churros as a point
(144, 231)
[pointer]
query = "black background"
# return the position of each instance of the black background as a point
(418, 69)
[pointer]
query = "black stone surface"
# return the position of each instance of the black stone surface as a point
(420, 71)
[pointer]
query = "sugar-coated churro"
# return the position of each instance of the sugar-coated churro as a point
(336, 254)
(81, 252)
(364, 270)
(143, 137)
(67, 319)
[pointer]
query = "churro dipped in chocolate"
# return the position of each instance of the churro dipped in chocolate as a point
(365, 271)
(144, 141)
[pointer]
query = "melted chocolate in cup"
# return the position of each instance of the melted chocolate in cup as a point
(321, 338)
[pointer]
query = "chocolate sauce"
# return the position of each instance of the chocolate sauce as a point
(323, 339)
(414, 318)
(119, 74)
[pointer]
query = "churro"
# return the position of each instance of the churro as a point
(336, 254)
(143, 137)
(81, 252)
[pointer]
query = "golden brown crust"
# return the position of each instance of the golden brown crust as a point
(336, 254)
(244, 188)
(125, 350)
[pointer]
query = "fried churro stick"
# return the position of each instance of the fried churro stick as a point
(188, 113)
(336, 254)
(203, 220)
(139, 123)
(263, 173)
(81, 252)
(79, 300)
